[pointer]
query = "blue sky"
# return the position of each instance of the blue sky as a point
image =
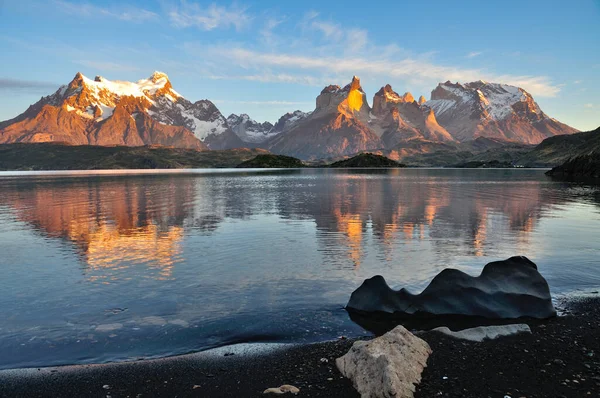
(269, 57)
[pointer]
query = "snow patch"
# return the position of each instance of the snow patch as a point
(496, 99)
(441, 106)
(107, 111)
(141, 88)
(204, 128)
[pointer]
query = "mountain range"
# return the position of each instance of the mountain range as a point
(150, 112)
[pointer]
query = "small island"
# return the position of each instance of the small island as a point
(266, 161)
(366, 160)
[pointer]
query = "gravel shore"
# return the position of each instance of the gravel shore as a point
(559, 359)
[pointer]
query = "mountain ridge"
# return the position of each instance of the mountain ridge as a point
(151, 112)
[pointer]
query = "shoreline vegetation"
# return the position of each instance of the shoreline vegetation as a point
(587, 166)
(560, 358)
(571, 155)
(57, 156)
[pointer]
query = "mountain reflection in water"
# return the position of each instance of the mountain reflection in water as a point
(224, 257)
(143, 220)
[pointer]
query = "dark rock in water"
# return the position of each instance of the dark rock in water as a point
(505, 290)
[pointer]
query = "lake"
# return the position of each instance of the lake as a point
(117, 266)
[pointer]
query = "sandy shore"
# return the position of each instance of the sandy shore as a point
(559, 359)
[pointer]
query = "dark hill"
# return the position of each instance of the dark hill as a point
(266, 161)
(558, 149)
(581, 166)
(50, 156)
(367, 160)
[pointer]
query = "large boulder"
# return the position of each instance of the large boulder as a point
(505, 290)
(387, 366)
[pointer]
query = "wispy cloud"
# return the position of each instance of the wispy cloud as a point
(26, 86)
(354, 39)
(188, 14)
(578, 82)
(473, 54)
(408, 68)
(107, 66)
(124, 13)
(274, 102)
(268, 77)
(589, 106)
(268, 36)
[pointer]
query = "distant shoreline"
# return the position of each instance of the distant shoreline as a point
(58, 157)
(213, 170)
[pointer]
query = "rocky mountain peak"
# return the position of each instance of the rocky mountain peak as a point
(147, 111)
(290, 119)
(355, 84)
(249, 130)
(332, 88)
(408, 97)
(156, 76)
(386, 98)
(77, 81)
(493, 110)
(347, 100)
(387, 94)
(422, 100)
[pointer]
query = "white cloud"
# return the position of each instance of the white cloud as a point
(353, 39)
(268, 77)
(474, 54)
(188, 14)
(125, 13)
(268, 36)
(408, 68)
(589, 105)
(578, 82)
(274, 102)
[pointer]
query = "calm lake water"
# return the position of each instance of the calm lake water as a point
(98, 268)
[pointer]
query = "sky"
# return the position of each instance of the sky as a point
(269, 57)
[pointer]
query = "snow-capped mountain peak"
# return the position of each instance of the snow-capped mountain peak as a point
(249, 130)
(496, 100)
(496, 110)
(145, 101)
(150, 87)
(97, 98)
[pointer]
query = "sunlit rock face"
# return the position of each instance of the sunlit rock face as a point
(399, 118)
(502, 111)
(105, 112)
(350, 100)
(337, 126)
(356, 96)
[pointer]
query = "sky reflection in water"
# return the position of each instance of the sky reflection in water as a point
(100, 268)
